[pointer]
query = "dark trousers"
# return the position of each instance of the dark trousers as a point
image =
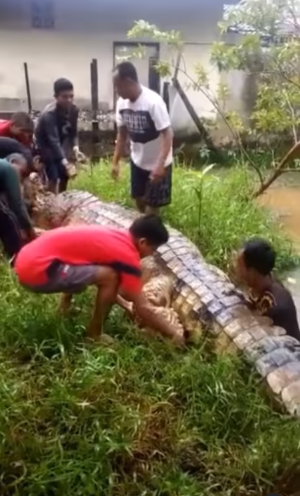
(54, 169)
(10, 234)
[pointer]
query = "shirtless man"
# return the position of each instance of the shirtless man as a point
(267, 296)
(68, 259)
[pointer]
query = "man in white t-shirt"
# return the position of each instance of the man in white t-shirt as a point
(142, 115)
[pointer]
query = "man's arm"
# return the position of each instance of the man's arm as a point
(51, 130)
(120, 142)
(144, 311)
(166, 144)
(161, 119)
(119, 150)
(16, 203)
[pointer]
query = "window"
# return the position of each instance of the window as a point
(42, 14)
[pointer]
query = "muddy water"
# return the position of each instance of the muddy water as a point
(283, 201)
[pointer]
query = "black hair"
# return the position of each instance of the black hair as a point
(16, 157)
(62, 84)
(9, 146)
(24, 121)
(151, 228)
(259, 255)
(126, 70)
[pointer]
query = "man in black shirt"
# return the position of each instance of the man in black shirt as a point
(15, 224)
(267, 296)
(56, 135)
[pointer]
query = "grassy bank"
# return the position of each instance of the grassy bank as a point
(135, 419)
(139, 418)
(213, 211)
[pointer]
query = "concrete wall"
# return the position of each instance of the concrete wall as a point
(86, 30)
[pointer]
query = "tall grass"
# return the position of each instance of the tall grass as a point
(138, 418)
(212, 210)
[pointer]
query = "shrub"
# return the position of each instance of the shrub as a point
(212, 210)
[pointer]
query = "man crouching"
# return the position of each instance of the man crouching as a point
(68, 259)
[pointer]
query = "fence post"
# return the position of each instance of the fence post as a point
(27, 88)
(165, 95)
(95, 108)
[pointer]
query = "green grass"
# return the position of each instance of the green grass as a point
(138, 418)
(213, 211)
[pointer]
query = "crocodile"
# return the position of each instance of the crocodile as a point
(201, 296)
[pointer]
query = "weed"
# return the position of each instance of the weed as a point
(135, 418)
(138, 418)
(212, 210)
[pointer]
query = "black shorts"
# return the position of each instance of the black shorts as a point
(156, 194)
(55, 170)
(66, 278)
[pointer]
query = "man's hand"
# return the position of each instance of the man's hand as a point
(115, 171)
(126, 305)
(157, 174)
(79, 156)
(71, 170)
(39, 231)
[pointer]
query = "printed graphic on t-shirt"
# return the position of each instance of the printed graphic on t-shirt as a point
(66, 127)
(264, 303)
(140, 125)
(145, 119)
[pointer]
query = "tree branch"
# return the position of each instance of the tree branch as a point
(293, 116)
(280, 169)
(234, 133)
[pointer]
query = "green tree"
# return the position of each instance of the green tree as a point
(267, 46)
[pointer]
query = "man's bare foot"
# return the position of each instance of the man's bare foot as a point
(104, 339)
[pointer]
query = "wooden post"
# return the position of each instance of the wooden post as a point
(27, 88)
(95, 108)
(153, 76)
(197, 121)
(165, 95)
(94, 88)
(177, 65)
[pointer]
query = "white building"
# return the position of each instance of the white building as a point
(59, 38)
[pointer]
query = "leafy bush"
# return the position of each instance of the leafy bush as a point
(213, 210)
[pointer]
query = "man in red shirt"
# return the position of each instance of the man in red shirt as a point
(20, 127)
(68, 259)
